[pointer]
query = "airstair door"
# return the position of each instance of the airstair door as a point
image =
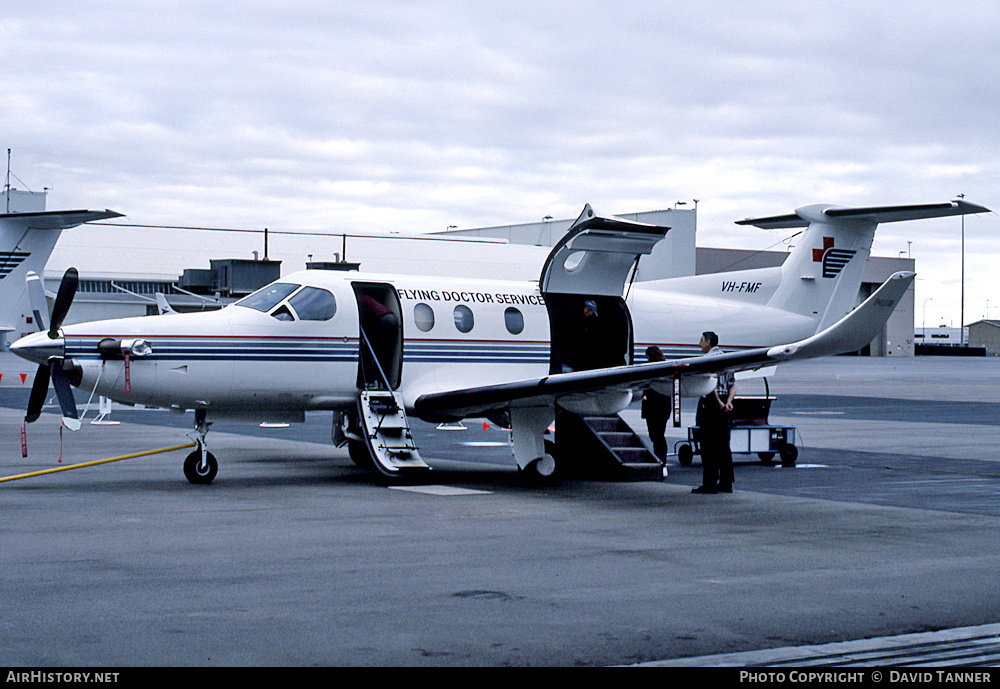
(380, 342)
(382, 420)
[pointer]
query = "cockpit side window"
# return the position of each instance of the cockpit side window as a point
(314, 304)
(267, 297)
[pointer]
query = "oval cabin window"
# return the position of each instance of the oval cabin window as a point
(463, 318)
(514, 320)
(423, 317)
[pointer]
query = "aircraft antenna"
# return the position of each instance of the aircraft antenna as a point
(6, 186)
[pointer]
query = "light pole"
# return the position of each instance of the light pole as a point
(961, 324)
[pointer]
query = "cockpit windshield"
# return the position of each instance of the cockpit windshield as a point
(265, 298)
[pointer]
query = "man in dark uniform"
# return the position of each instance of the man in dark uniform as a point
(713, 424)
(655, 409)
(584, 348)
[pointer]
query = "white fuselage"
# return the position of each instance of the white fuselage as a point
(241, 360)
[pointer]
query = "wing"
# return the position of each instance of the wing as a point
(850, 333)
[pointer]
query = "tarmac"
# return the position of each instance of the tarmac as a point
(295, 557)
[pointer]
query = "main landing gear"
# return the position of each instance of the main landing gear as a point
(200, 467)
(535, 456)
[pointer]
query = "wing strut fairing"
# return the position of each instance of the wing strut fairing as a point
(850, 333)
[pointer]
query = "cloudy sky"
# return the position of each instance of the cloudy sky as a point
(416, 116)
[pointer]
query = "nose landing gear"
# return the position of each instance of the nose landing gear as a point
(200, 467)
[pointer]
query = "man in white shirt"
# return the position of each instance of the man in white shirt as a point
(713, 424)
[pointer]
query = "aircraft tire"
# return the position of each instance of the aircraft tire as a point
(361, 454)
(191, 470)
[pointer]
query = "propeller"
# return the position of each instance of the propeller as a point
(53, 370)
(64, 299)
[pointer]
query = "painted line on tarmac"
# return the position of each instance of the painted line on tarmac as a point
(942, 471)
(441, 491)
(959, 647)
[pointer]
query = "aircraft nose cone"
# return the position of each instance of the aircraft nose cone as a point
(38, 347)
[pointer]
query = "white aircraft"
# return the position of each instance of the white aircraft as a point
(26, 242)
(376, 350)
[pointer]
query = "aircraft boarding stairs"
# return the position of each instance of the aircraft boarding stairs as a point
(387, 433)
(603, 448)
(385, 426)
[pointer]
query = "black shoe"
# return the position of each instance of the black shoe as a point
(725, 488)
(710, 490)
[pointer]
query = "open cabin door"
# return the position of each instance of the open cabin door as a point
(591, 263)
(380, 320)
(386, 442)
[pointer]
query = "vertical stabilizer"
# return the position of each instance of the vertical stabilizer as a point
(26, 242)
(822, 275)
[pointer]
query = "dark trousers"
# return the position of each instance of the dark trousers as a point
(657, 427)
(655, 409)
(716, 455)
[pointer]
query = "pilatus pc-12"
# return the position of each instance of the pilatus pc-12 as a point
(377, 350)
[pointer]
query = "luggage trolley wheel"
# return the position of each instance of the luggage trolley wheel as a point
(685, 454)
(788, 454)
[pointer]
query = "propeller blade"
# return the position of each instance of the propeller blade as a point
(64, 299)
(36, 299)
(39, 388)
(65, 394)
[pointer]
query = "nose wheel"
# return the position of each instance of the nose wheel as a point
(200, 469)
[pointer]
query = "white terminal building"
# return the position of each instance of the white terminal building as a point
(122, 267)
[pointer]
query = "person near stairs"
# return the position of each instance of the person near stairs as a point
(656, 410)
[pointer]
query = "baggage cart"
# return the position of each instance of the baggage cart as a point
(750, 433)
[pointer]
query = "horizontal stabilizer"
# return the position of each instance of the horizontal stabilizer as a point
(57, 220)
(877, 214)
